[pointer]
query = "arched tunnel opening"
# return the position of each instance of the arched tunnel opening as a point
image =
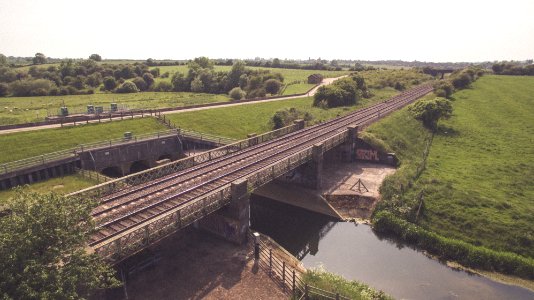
(113, 172)
(164, 156)
(139, 166)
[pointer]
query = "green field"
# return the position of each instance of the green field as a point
(14, 110)
(295, 79)
(21, 145)
(61, 185)
(238, 121)
(479, 180)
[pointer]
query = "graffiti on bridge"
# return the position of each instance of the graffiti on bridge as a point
(365, 154)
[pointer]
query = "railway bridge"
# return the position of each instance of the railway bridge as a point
(211, 189)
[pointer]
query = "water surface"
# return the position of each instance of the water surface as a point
(356, 252)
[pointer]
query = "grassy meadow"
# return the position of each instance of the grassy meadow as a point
(61, 185)
(479, 178)
(238, 121)
(26, 144)
(14, 110)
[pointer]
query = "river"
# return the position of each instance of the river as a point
(357, 253)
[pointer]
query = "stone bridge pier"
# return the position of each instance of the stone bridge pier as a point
(232, 221)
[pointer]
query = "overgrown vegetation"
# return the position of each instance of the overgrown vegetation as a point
(430, 111)
(201, 77)
(42, 249)
(505, 68)
(471, 191)
(337, 284)
(285, 117)
(458, 80)
(343, 92)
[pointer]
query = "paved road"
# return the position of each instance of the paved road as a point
(326, 81)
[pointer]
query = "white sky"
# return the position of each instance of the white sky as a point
(446, 30)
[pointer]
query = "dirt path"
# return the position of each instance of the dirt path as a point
(325, 81)
(201, 266)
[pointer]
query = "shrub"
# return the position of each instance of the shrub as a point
(36, 87)
(272, 86)
(109, 83)
(346, 91)
(149, 79)
(127, 87)
(155, 72)
(447, 248)
(237, 93)
(163, 86)
(431, 111)
(140, 83)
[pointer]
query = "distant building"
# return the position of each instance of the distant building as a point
(315, 78)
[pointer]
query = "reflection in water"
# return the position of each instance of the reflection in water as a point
(355, 252)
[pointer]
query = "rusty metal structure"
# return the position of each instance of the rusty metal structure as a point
(140, 209)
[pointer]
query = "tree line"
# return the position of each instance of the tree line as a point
(505, 68)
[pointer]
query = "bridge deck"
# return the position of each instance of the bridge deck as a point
(134, 217)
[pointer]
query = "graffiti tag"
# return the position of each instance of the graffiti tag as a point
(364, 154)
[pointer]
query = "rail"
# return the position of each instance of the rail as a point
(179, 165)
(168, 219)
(288, 277)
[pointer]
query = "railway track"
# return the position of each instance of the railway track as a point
(125, 209)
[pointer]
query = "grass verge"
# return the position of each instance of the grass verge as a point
(337, 284)
(238, 121)
(61, 185)
(25, 144)
(477, 186)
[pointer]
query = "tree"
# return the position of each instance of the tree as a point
(95, 57)
(3, 60)
(149, 79)
(431, 111)
(127, 87)
(39, 59)
(180, 83)
(140, 83)
(196, 85)
(272, 86)
(276, 63)
(110, 83)
(42, 249)
(4, 89)
(33, 87)
(237, 93)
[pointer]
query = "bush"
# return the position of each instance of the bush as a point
(25, 88)
(237, 93)
(346, 91)
(272, 86)
(286, 117)
(155, 72)
(109, 83)
(163, 86)
(140, 83)
(4, 89)
(431, 111)
(127, 87)
(446, 248)
(149, 79)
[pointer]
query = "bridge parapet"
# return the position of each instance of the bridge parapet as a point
(122, 183)
(143, 234)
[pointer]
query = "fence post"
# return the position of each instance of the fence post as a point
(337, 296)
(306, 292)
(256, 247)
(293, 283)
(284, 274)
(270, 262)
